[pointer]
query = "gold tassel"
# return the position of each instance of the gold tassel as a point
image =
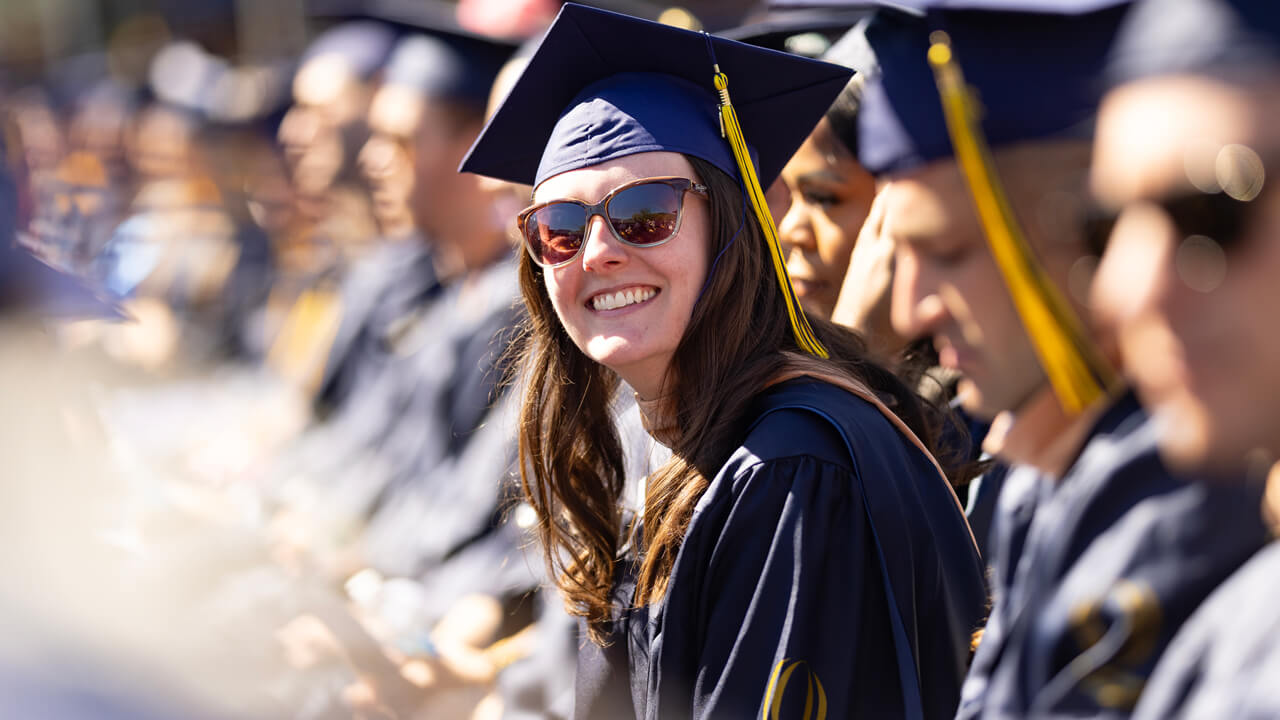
(1079, 374)
(730, 129)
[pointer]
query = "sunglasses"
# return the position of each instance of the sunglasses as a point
(643, 213)
(1217, 216)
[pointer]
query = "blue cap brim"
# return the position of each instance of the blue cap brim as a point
(29, 284)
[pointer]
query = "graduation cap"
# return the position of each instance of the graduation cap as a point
(32, 285)
(780, 26)
(441, 64)
(603, 85)
(1188, 36)
(361, 44)
(1034, 65)
(432, 54)
(1030, 72)
(28, 284)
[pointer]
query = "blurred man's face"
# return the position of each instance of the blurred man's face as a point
(160, 145)
(387, 159)
(947, 285)
(440, 194)
(326, 98)
(1191, 277)
(412, 157)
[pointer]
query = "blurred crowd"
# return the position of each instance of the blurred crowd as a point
(266, 465)
(292, 439)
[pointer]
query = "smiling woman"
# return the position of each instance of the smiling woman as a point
(800, 522)
(626, 304)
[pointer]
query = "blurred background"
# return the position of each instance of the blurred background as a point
(259, 456)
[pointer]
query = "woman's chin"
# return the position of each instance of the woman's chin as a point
(632, 361)
(614, 352)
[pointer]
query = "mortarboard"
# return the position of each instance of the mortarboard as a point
(434, 55)
(652, 86)
(1034, 65)
(362, 45)
(1188, 36)
(602, 86)
(785, 28)
(440, 64)
(29, 284)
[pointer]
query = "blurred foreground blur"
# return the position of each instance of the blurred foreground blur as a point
(271, 475)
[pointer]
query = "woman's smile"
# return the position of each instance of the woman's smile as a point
(618, 299)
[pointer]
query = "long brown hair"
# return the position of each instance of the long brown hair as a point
(570, 456)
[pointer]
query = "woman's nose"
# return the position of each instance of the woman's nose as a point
(601, 250)
(795, 229)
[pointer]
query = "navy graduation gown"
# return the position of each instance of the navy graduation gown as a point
(1094, 574)
(778, 597)
(1225, 661)
(378, 293)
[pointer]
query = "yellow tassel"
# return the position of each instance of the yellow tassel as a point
(1079, 374)
(730, 128)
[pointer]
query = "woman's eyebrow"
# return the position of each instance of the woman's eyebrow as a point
(826, 175)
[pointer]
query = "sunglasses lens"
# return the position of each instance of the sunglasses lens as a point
(554, 232)
(646, 214)
(1217, 216)
(1096, 228)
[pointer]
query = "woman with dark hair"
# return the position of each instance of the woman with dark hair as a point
(802, 551)
(829, 196)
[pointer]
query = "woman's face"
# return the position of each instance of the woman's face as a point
(830, 196)
(658, 286)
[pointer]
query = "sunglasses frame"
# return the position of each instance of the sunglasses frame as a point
(1183, 209)
(680, 184)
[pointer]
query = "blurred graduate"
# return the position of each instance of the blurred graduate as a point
(1099, 552)
(1184, 164)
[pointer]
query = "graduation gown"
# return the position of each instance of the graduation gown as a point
(380, 292)
(1225, 662)
(1094, 573)
(828, 564)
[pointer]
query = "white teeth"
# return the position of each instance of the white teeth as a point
(613, 301)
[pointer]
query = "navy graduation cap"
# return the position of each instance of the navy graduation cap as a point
(444, 65)
(1176, 36)
(603, 86)
(362, 45)
(29, 284)
(32, 285)
(1034, 64)
(780, 26)
(433, 55)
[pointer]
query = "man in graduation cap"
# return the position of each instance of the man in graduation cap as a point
(422, 118)
(1186, 146)
(1099, 552)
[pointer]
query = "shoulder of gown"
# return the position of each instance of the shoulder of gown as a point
(1112, 559)
(1224, 662)
(780, 594)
